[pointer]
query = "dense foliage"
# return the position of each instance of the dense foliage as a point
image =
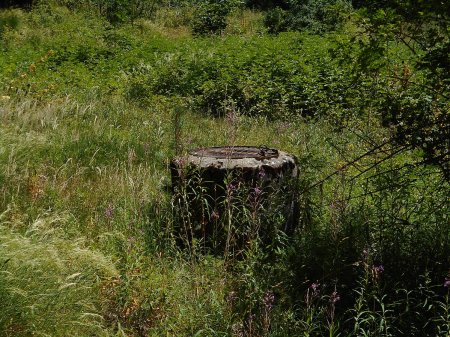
(97, 96)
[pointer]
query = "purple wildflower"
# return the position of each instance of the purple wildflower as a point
(257, 191)
(231, 187)
(377, 271)
(315, 289)
(312, 293)
(261, 173)
(335, 297)
(214, 215)
(447, 282)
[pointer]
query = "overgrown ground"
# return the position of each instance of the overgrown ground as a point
(91, 114)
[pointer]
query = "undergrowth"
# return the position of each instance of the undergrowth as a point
(93, 106)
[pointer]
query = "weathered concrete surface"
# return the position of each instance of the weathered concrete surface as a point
(251, 162)
(281, 161)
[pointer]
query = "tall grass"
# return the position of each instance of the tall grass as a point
(50, 285)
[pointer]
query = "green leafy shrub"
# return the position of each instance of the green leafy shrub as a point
(266, 4)
(210, 16)
(317, 16)
(410, 87)
(267, 77)
(276, 20)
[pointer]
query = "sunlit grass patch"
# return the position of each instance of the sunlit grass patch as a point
(50, 285)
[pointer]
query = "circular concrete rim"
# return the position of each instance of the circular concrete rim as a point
(276, 159)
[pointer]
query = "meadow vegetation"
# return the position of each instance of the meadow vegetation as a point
(97, 96)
